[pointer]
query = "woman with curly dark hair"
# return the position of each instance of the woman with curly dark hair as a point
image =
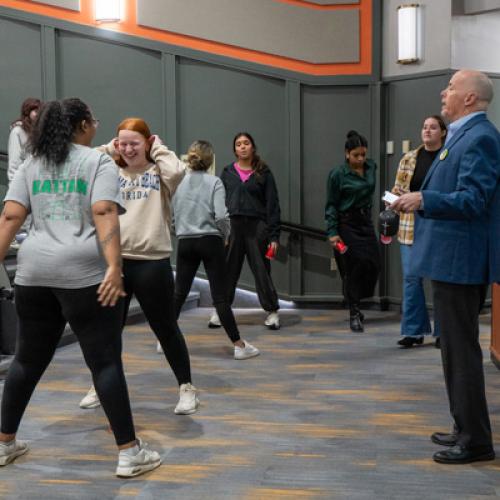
(68, 271)
(19, 134)
(254, 208)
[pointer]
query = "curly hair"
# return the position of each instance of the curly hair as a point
(54, 130)
(200, 155)
(258, 165)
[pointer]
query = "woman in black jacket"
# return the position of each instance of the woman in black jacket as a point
(253, 205)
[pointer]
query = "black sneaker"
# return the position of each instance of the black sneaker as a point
(410, 341)
(356, 323)
(437, 343)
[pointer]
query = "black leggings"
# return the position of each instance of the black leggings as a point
(152, 282)
(249, 237)
(43, 313)
(209, 250)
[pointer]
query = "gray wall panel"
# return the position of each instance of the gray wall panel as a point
(328, 114)
(116, 81)
(20, 70)
(317, 36)
(479, 6)
(65, 4)
(215, 103)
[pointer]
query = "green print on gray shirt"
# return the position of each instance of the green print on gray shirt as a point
(59, 186)
(61, 249)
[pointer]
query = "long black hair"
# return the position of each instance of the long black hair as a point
(355, 140)
(258, 165)
(54, 130)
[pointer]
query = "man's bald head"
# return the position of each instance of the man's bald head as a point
(479, 83)
(468, 91)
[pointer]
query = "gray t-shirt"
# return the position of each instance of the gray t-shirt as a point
(61, 249)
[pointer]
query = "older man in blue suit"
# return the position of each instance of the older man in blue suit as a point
(457, 233)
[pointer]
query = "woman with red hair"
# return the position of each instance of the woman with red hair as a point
(149, 176)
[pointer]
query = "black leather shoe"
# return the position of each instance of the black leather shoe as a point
(410, 341)
(437, 344)
(444, 439)
(356, 323)
(461, 455)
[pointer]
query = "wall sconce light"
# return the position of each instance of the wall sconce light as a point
(408, 33)
(108, 11)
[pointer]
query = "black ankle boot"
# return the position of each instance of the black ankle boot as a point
(356, 322)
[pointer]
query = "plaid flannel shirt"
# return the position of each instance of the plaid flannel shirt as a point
(404, 174)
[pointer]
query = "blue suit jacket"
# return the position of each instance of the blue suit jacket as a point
(457, 234)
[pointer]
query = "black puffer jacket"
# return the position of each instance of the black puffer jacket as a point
(258, 197)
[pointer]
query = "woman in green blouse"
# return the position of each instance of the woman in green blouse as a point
(348, 220)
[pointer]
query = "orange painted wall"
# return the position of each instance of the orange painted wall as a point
(129, 26)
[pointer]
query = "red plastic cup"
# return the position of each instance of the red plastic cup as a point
(270, 254)
(341, 247)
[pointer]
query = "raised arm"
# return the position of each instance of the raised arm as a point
(172, 169)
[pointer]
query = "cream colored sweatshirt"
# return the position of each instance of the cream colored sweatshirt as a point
(145, 227)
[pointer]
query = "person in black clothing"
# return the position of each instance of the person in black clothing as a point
(253, 206)
(348, 219)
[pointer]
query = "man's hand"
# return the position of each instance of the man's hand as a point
(408, 202)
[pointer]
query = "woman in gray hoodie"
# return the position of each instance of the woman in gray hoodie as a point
(202, 227)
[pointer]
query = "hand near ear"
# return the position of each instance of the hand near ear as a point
(155, 139)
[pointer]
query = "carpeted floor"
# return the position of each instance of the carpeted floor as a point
(321, 413)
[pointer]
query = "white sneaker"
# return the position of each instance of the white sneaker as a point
(249, 351)
(133, 465)
(214, 321)
(10, 451)
(273, 321)
(91, 400)
(159, 348)
(188, 402)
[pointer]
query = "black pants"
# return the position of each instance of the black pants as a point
(249, 238)
(457, 309)
(43, 313)
(152, 282)
(209, 250)
(359, 267)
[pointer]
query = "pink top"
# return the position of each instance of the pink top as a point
(244, 174)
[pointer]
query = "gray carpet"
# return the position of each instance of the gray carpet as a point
(322, 413)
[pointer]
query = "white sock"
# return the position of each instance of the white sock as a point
(132, 451)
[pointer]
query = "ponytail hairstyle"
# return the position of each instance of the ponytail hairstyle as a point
(135, 125)
(200, 156)
(258, 165)
(354, 140)
(55, 128)
(27, 107)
